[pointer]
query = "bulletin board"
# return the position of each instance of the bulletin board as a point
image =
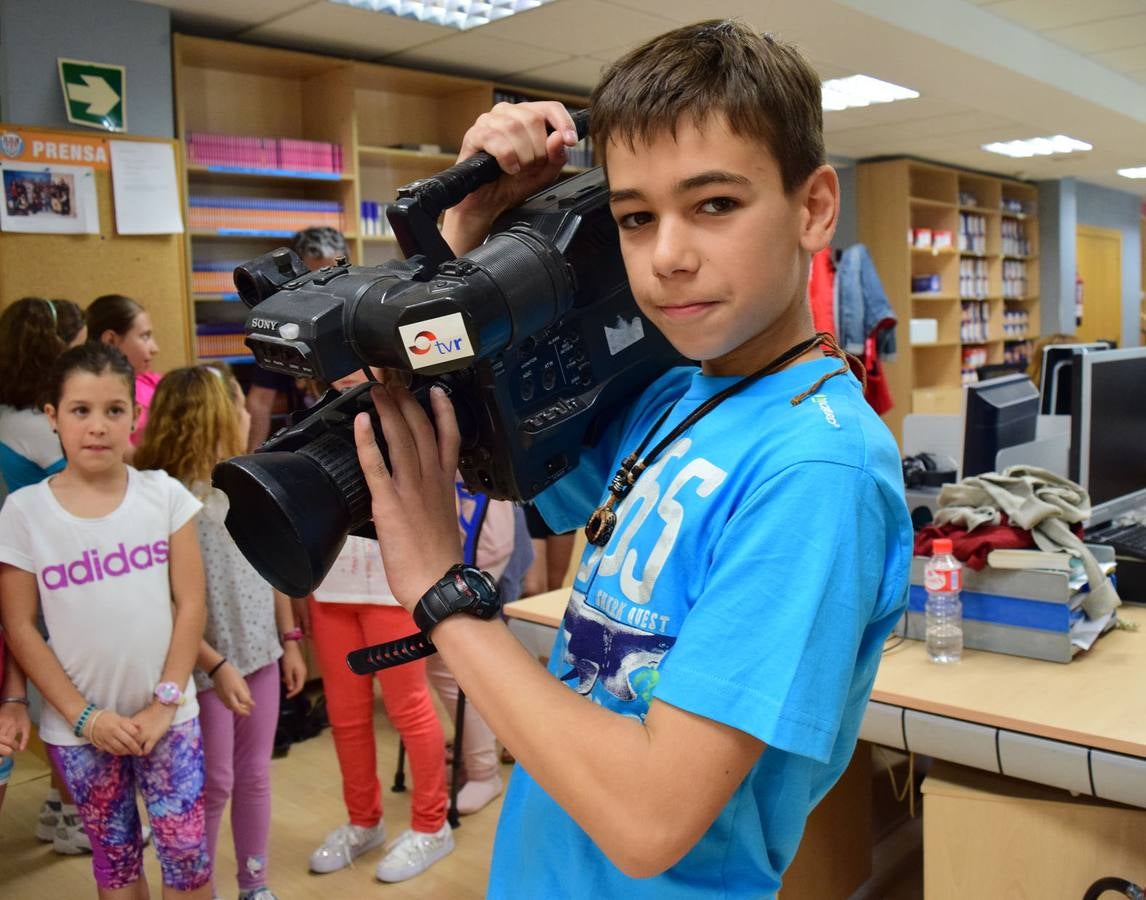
(80, 267)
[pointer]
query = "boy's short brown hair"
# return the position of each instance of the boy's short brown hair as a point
(764, 88)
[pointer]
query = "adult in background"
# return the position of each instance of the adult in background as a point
(317, 247)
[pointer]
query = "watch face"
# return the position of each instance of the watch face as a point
(167, 692)
(479, 582)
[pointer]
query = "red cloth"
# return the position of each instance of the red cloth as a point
(876, 392)
(821, 290)
(972, 547)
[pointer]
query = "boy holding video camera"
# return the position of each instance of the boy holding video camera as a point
(749, 539)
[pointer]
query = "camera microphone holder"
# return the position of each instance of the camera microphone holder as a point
(414, 216)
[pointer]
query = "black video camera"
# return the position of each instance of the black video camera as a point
(535, 334)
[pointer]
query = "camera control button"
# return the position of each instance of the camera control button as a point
(549, 376)
(527, 386)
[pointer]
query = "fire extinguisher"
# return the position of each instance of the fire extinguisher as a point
(1078, 285)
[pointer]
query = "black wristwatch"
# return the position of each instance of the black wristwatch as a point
(462, 589)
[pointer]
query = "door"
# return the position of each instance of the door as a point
(1098, 252)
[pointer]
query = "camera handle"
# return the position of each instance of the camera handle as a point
(414, 216)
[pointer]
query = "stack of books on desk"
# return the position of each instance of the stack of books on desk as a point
(1025, 603)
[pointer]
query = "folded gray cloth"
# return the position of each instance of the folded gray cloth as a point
(1043, 503)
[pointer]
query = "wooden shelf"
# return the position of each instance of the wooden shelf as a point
(927, 201)
(223, 87)
(931, 251)
(240, 173)
(398, 157)
(892, 192)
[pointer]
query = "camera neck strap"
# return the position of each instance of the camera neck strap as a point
(601, 523)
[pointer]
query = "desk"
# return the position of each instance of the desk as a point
(1080, 726)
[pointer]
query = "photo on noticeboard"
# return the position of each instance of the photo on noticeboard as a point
(48, 199)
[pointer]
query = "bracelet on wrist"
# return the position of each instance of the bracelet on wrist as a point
(295, 634)
(215, 668)
(23, 701)
(92, 727)
(82, 721)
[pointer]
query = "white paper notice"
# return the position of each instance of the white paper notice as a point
(145, 190)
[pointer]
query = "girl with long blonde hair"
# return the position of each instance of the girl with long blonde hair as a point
(198, 417)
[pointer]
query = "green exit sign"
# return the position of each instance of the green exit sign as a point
(94, 93)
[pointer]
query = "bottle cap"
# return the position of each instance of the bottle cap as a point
(940, 546)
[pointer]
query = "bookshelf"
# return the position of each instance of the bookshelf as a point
(391, 125)
(958, 250)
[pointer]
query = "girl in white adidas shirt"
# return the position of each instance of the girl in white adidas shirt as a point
(112, 556)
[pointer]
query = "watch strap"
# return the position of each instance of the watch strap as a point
(434, 605)
(391, 653)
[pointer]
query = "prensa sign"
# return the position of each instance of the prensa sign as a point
(47, 147)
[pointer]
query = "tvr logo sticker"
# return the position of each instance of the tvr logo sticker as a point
(434, 341)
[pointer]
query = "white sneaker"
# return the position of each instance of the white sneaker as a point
(477, 794)
(48, 820)
(70, 838)
(344, 845)
(413, 853)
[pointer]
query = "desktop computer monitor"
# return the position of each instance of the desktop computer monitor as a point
(1108, 430)
(1058, 364)
(997, 413)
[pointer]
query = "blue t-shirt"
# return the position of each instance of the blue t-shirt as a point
(754, 573)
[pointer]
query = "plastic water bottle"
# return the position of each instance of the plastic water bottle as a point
(943, 578)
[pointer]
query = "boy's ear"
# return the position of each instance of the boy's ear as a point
(820, 200)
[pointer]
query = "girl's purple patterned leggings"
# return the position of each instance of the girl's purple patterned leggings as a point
(171, 781)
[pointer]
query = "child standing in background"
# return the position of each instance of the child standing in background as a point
(198, 418)
(111, 555)
(487, 528)
(121, 322)
(29, 346)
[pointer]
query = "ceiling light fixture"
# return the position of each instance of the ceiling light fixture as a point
(1139, 172)
(460, 14)
(862, 90)
(1040, 146)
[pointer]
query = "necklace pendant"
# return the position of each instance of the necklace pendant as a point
(600, 526)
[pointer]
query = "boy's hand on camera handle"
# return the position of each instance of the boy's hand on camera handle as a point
(516, 135)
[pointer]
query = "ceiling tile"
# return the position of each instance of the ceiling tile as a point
(228, 12)
(1042, 15)
(344, 29)
(472, 51)
(578, 75)
(578, 26)
(1108, 34)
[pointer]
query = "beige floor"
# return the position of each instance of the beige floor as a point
(307, 804)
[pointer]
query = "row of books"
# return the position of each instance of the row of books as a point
(220, 340)
(263, 215)
(580, 155)
(213, 277)
(290, 154)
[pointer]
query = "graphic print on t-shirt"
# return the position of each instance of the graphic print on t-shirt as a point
(93, 565)
(615, 632)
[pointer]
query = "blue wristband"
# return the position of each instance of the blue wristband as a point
(82, 721)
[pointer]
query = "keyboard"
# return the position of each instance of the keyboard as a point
(1127, 540)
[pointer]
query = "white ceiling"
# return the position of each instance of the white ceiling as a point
(987, 70)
